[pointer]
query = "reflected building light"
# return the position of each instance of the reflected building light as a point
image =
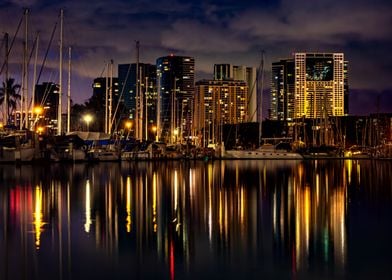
(128, 205)
(154, 201)
(242, 205)
(175, 190)
(349, 165)
(282, 221)
(307, 218)
(209, 210)
(88, 222)
(220, 219)
(192, 184)
(359, 173)
(37, 216)
(337, 219)
(274, 212)
(317, 189)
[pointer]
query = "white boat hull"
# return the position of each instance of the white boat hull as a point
(260, 154)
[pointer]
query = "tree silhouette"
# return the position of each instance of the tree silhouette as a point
(11, 93)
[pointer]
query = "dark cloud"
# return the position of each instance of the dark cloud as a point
(213, 31)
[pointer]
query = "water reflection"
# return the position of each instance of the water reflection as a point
(280, 219)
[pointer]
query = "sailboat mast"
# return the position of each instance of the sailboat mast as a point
(137, 97)
(60, 74)
(110, 97)
(26, 75)
(69, 92)
(261, 81)
(6, 80)
(106, 98)
(146, 107)
(34, 80)
(24, 72)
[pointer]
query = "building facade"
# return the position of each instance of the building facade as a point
(226, 72)
(218, 102)
(310, 85)
(47, 97)
(176, 88)
(140, 98)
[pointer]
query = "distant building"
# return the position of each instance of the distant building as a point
(282, 90)
(47, 97)
(101, 88)
(176, 88)
(127, 82)
(226, 72)
(310, 85)
(218, 102)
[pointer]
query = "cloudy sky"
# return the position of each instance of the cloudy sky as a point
(212, 31)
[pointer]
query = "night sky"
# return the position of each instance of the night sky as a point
(213, 32)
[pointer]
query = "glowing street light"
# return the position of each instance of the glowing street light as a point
(38, 110)
(128, 126)
(155, 129)
(87, 118)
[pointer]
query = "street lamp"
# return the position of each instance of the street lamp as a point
(154, 130)
(87, 118)
(128, 126)
(175, 132)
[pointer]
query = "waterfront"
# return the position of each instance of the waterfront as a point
(193, 219)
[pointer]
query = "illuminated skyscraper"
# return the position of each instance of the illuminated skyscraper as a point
(147, 86)
(226, 72)
(217, 103)
(319, 85)
(282, 90)
(311, 85)
(176, 86)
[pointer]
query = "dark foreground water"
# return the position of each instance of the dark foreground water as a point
(197, 220)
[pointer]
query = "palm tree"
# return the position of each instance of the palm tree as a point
(9, 92)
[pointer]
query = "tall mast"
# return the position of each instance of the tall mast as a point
(158, 106)
(69, 92)
(140, 104)
(59, 110)
(137, 97)
(106, 98)
(6, 111)
(110, 97)
(261, 81)
(26, 76)
(23, 98)
(34, 82)
(146, 107)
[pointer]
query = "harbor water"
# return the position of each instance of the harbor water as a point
(249, 219)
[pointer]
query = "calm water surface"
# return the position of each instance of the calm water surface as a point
(197, 220)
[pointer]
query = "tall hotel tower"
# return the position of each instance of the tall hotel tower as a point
(176, 86)
(312, 85)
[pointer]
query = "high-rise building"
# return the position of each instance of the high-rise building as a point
(101, 88)
(127, 83)
(147, 100)
(175, 80)
(218, 102)
(227, 72)
(282, 90)
(310, 85)
(47, 97)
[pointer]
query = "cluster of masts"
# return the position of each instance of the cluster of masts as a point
(28, 103)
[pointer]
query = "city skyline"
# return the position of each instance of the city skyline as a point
(213, 32)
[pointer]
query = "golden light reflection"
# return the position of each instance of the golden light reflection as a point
(349, 166)
(154, 202)
(128, 205)
(37, 216)
(88, 222)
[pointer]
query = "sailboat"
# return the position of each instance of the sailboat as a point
(266, 150)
